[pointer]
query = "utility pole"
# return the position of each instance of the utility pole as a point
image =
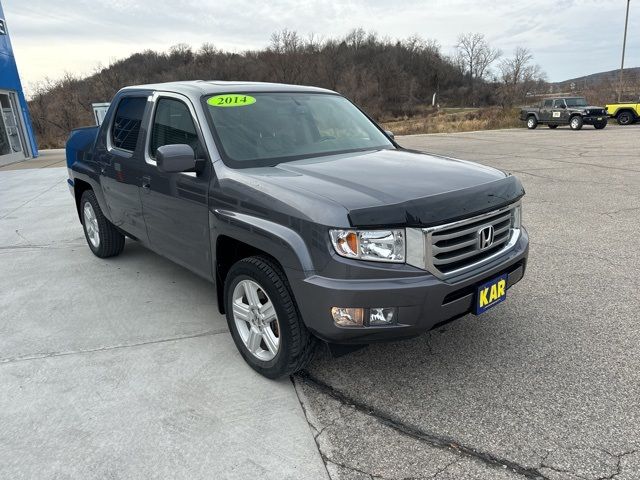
(624, 44)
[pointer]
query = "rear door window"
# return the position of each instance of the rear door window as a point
(558, 103)
(547, 103)
(126, 124)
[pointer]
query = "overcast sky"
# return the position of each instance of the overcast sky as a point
(568, 38)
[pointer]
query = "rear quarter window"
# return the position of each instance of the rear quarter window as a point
(127, 121)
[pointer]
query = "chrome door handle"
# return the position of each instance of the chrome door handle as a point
(146, 182)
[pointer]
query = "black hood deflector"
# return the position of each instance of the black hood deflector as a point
(441, 208)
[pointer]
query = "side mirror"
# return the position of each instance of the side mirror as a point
(562, 106)
(176, 158)
(390, 134)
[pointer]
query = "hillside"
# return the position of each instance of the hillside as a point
(603, 87)
(596, 78)
(387, 78)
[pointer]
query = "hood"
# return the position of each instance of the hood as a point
(395, 187)
(590, 107)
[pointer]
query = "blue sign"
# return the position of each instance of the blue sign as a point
(490, 294)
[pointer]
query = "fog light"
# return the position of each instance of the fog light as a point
(348, 317)
(383, 315)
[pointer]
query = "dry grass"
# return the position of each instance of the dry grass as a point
(455, 120)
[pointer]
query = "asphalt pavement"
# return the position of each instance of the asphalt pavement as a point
(123, 368)
(546, 385)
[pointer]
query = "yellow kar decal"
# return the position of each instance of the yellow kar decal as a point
(231, 100)
(490, 294)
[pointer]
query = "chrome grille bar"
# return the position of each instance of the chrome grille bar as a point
(455, 248)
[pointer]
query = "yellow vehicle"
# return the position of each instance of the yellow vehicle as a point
(625, 113)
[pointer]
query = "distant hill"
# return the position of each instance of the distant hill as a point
(600, 88)
(630, 76)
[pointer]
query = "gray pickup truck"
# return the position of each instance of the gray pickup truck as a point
(572, 111)
(310, 220)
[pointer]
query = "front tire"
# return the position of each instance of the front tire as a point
(264, 320)
(103, 238)
(576, 122)
(599, 125)
(625, 118)
(532, 122)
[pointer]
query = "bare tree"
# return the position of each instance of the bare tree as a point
(387, 77)
(518, 75)
(474, 55)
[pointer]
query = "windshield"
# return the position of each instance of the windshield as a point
(576, 102)
(262, 129)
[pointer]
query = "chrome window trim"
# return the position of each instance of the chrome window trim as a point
(109, 144)
(154, 98)
(418, 242)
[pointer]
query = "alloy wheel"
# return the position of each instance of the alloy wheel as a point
(91, 225)
(256, 320)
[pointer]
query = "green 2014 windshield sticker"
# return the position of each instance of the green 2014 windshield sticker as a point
(231, 100)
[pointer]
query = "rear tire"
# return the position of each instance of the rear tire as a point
(274, 344)
(532, 122)
(103, 238)
(552, 126)
(576, 122)
(625, 118)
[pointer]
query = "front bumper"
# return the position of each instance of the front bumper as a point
(591, 119)
(423, 302)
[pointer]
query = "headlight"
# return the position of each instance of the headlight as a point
(516, 218)
(375, 245)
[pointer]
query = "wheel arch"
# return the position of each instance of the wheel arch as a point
(626, 110)
(79, 187)
(84, 177)
(241, 236)
(230, 250)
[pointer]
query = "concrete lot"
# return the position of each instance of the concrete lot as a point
(124, 369)
(46, 159)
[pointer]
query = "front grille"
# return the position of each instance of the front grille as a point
(597, 111)
(460, 247)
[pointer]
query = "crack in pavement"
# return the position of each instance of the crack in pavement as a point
(313, 427)
(415, 432)
(434, 440)
(327, 460)
(445, 468)
(619, 457)
(38, 356)
(612, 476)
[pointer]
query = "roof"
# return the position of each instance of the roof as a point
(211, 87)
(563, 97)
